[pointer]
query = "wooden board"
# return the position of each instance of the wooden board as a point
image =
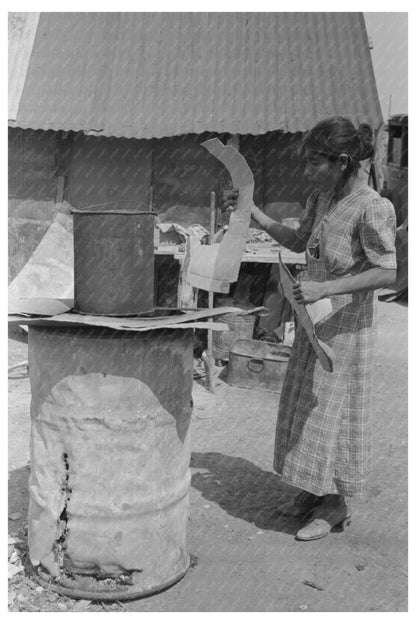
(269, 253)
(265, 253)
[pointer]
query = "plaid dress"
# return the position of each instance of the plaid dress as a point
(323, 441)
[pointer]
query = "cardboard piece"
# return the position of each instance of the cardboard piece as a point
(214, 267)
(50, 270)
(186, 320)
(59, 321)
(39, 306)
(187, 294)
(308, 316)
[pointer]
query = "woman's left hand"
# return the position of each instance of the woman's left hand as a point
(308, 291)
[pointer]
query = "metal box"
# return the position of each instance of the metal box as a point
(258, 364)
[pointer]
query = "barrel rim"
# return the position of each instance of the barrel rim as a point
(121, 211)
(59, 585)
(108, 212)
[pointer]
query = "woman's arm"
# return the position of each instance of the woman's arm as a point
(309, 291)
(284, 235)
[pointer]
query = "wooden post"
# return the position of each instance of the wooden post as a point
(209, 358)
(211, 238)
(151, 197)
(187, 294)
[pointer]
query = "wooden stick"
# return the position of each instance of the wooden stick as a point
(209, 368)
(211, 238)
(60, 185)
(210, 360)
(151, 197)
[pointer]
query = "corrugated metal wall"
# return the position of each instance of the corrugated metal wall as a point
(32, 191)
(181, 172)
(102, 169)
(32, 164)
(284, 179)
(184, 174)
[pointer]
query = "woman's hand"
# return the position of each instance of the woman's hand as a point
(229, 198)
(308, 291)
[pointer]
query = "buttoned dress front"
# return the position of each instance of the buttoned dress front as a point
(323, 437)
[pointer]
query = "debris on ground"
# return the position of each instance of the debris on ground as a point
(13, 569)
(199, 369)
(25, 594)
(314, 585)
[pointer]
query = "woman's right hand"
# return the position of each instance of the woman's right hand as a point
(229, 198)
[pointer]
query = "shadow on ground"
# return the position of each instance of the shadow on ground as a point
(244, 490)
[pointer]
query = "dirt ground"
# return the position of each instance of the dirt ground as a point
(244, 557)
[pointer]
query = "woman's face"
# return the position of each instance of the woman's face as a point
(322, 172)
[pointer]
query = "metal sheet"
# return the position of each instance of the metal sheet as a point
(162, 74)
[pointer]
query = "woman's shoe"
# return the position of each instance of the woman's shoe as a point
(304, 503)
(332, 512)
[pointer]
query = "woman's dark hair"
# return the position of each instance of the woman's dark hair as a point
(337, 135)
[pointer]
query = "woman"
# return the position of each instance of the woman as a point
(347, 232)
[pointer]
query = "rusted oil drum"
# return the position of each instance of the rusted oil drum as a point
(110, 457)
(241, 326)
(113, 259)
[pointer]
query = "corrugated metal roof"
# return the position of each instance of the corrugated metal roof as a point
(149, 75)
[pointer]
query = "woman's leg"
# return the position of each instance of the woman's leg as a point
(304, 503)
(332, 511)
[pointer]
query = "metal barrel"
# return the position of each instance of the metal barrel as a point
(241, 326)
(113, 259)
(110, 455)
